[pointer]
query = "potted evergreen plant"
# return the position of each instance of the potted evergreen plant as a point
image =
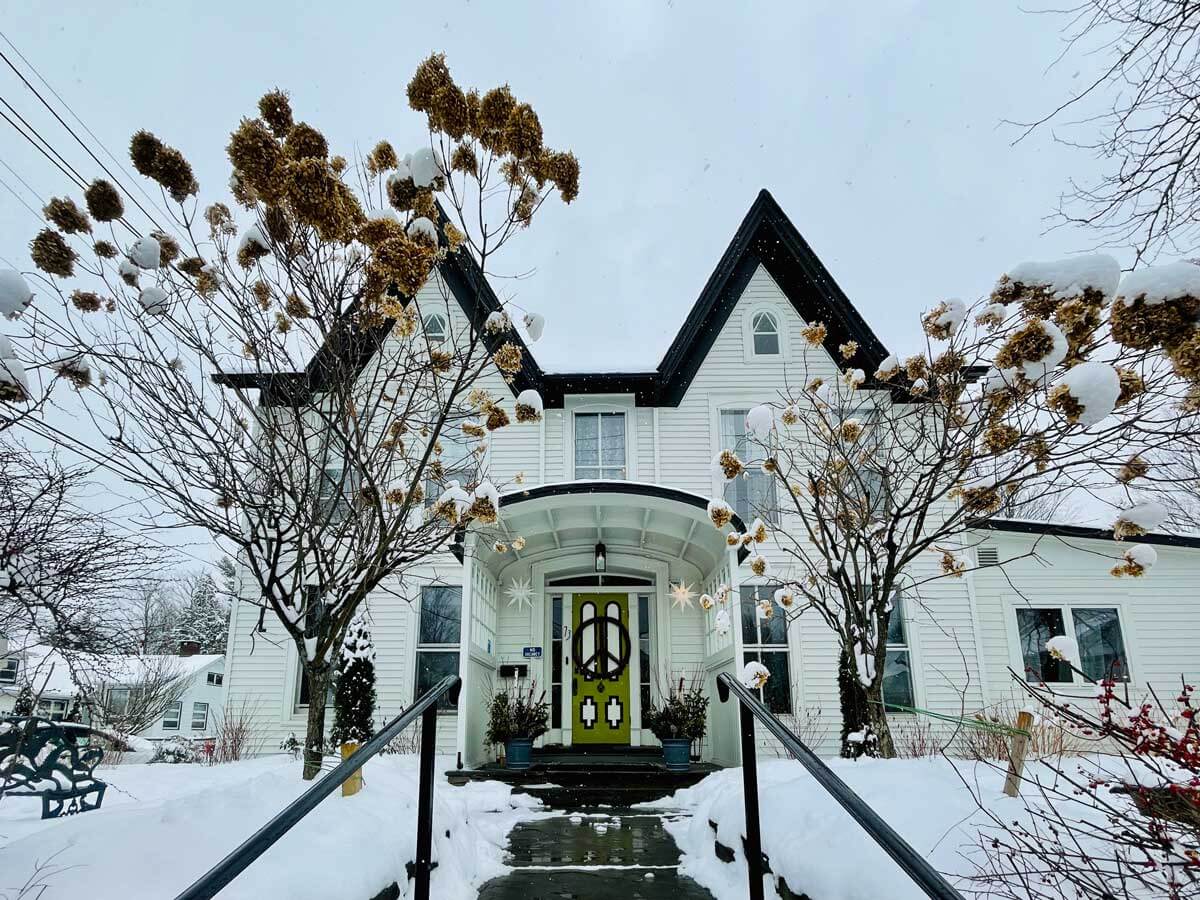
(681, 719)
(516, 719)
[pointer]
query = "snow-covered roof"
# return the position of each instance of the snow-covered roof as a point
(53, 675)
(1092, 532)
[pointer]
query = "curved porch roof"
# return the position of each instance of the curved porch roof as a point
(623, 515)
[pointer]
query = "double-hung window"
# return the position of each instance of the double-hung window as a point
(897, 667)
(172, 716)
(199, 716)
(216, 678)
(765, 641)
(118, 701)
(600, 445)
(8, 670)
(54, 710)
(751, 494)
(336, 492)
(1097, 633)
(439, 633)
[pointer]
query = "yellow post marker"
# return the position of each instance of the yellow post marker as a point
(1020, 746)
(353, 784)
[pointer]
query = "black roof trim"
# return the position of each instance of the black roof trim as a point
(766, 236)
(1079, 531)
(636, 488)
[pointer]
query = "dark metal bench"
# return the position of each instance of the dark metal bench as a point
(40, 758)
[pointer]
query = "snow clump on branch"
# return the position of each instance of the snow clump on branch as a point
(1087, 393)
(1136, 561)
(15, 293)
(1139, 519)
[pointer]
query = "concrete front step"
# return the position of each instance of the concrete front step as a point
(588, 782)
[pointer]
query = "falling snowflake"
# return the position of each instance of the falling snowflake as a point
(520, 593)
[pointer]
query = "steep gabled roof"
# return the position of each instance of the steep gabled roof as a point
(765, 237)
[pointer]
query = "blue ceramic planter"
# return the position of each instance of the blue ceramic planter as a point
(676, 754)
(518, 753)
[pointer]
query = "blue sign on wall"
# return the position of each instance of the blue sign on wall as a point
(532, 652)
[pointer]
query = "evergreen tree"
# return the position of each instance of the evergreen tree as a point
(205, 619)
(355, 690)
(24, 703)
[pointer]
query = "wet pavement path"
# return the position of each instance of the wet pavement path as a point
(624, 854)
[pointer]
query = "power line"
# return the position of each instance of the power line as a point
(78, 139)
(84, 126)
(71, 177)
(20, 199)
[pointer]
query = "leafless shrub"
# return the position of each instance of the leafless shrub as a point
(237, 736)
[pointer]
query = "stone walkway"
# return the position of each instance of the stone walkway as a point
(625, 854)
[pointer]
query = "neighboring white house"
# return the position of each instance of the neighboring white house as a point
(196, 714)
(611, 503)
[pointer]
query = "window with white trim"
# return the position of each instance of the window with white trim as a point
(9, 669)
(172, 716)
(1097, 633)
(765, 641)
(314, 611)
(456, 462)
(439, 633)
(118, 701)
(897, 667)
(600, 445)
(199, 716)
(752, 494)
(764, 333)
(337, 491)
(216, 678)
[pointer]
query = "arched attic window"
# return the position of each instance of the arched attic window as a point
(435, 327)
(765, 332)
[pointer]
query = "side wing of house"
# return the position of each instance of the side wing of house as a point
(1147, 629)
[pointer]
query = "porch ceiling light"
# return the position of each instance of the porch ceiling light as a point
(601, 558)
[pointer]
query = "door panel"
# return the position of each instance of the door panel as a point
(600, 673)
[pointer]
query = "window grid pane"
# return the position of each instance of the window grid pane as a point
(752, 494)
(199, 716)
(432, 667)
(1101, 644)
(600, 445)
(441, 614)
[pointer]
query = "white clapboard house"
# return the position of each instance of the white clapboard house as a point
(611, 504)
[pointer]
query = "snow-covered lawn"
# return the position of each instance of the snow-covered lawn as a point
(815, 845)
(162, 826)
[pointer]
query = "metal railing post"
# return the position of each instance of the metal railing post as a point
(753, 843)
(423, 865)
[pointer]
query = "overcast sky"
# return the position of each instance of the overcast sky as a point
(880, 132)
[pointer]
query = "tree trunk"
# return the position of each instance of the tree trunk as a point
(863, 715)
(314, 736)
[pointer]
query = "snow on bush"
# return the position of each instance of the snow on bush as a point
(15, 293)
(854, 378)
(1157, 284)
(1063, 647)
(1087, 393)
(154, 301)
(497, 322)
(728, 465)
(424, 229)
(1137, 560)
(175, 750)
(14, 383)
(944, 319)
(785, 597)
(720, 512)
(754, 675)
(1071, 277)
(146, 253)
(721, 623)
(534, 325)
(529, 405)
(485, 503)
(425, 165)
(760, 421)
(1035, 349)
(252, 238)
(888, 368)
(379, 213)
(1139, 519)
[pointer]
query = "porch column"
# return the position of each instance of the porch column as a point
(464, 647)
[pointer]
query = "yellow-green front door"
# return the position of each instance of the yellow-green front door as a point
(601, 655)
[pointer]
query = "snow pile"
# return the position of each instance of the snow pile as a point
(1157, 284)
(161, 827)
(535, 323)
(925, 800)
(15, 293)
(1066, 278)
(1139, 519)
(146, 253)
(1093, 389)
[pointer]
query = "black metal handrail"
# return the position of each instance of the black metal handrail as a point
(926, 877)
(262, 840)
